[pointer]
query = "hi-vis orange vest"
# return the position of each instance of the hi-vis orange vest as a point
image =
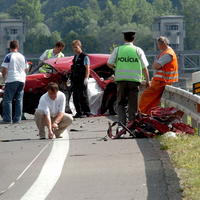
(169, 72)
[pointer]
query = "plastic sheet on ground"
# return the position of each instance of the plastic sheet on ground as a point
(95, 95)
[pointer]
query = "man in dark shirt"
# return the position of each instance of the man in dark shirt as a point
(80, 71)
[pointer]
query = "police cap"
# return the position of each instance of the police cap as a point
(129, 32)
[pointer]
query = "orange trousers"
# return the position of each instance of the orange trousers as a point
(151, 96)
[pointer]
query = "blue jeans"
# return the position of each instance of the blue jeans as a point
(13, 101)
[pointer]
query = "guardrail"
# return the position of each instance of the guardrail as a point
(184, 101)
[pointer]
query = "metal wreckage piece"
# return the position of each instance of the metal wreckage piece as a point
(160, 121)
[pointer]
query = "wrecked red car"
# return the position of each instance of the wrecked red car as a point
(100, 73)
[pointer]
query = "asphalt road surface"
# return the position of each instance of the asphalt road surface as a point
(82, 166)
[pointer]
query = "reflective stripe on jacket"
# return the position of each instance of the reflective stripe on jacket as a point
(46, 68)
(128, 64)
(50, 54)
(169, 72)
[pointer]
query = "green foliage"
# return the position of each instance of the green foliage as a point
(4, 15)
(34, 45)
(40, 29)
(184, 153)
(163, 7)
(126, 10)
(71, 18)
(93, 9)
(109, 14)
(144, 13)
(98, 23)
(144, 37)
(56, 36)
(28, 10)
(191, 11)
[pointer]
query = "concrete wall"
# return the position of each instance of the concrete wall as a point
(11, 29)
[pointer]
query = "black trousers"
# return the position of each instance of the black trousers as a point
(127, 93)
(80, 98)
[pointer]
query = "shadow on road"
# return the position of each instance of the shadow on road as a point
(162, 181)
(161, 178)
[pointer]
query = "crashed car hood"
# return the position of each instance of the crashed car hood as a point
(64, 64)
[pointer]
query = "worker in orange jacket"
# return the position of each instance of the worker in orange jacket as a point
(166, 66)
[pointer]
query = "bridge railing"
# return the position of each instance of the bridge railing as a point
(184, 101)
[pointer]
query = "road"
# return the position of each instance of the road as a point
(82, 166)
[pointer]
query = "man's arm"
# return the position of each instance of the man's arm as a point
(112, 59)
(87, 66)
(49, 126)
(146, 75)
(57, 120)
(4, 72)
(43, 56)
(157, 64)
(145, 64)
(61, 110)
(112, 66)
(87, 73)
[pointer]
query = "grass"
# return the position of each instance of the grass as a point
(184, 152)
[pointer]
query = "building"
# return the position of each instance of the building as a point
(11, 29)
(173, 28)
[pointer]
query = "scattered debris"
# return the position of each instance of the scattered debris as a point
(160, 121)
(73, 129)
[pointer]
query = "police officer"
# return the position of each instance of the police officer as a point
(130, 64)
(56, 52)
(80, 71)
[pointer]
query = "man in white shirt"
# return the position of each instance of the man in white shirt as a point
(13, 70)
(51, 113)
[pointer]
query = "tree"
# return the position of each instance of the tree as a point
(126, 10)
(191, 12)
(144, 38)
(28, 10)
(109, 14)
(144, 13)
(93, 28)
(40, 29)
(68, 38)
(71, 18)
(93, 9)
(4, 15)
(163, 7)
(56, 36)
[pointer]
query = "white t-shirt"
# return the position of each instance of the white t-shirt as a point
(140, 52)
(164, 59)
(52, 107)
(16, 64)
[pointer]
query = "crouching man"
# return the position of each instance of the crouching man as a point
(51, 113)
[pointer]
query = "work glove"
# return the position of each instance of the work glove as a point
(85, 81)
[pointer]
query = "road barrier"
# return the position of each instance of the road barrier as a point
(185, 101)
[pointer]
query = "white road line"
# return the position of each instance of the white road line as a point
(50, 172)
(30, 164)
